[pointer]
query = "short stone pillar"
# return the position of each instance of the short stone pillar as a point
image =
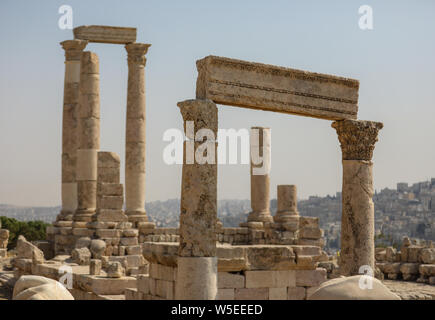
(357, 140)
(89, 140)
(73, 52)
(135, 134)
(197, 262)
(260, 144)
(286, 203)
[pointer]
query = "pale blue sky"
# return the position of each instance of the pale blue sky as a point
(394, 63)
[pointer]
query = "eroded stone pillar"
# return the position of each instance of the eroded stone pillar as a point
(135, 134)
(357, 140)
(89, 140)
(197, 262)
(286, 203)
(73, 51)
(260, 175)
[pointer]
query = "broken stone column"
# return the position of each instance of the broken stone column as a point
(286, 203)
(260, 175)
(135, 134)
(73, 52)
(89, 143)
(357, 139)
(197, 262)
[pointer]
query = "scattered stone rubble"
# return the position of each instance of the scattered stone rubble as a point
(414, 262)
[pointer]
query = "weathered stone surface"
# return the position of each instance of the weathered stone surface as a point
(105, 34)
(27, 250)
(349, 289)
(110, 189)
(271, 88)
(110, 215)
(39, 288)
(310, 278)
(230, 280)
(81, 256)
(251, 294)
(392, 267)
(427, 256)
(390, 254)
(225, 294)
(278, 293)
(83, 242)
(95, 267)
(296, 293)
(268, 257)
(198, 213)
(97, 248)
(270, 279)
(409, 268)
(286, 203)
(108, 160)
(427, 269)
(115, 270)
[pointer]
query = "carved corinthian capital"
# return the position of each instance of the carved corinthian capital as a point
(73, 49)
(136, 53)
(357, 138)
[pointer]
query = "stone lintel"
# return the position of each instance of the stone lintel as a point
(271, 88)
(105, 34)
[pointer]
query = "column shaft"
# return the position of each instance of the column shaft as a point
(73, 51)
(135, 134)
(260, 175)
(357, 139)
(89, 137)
(286, 203)
(197, 263)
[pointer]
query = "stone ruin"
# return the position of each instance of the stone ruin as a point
(414, 262)
(4, 237)
(115, 254)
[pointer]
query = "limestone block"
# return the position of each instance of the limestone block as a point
(102, 225)
(312, 222)
(110, 202)
(158, 271)
(230, 280)
(3, 253)
(278, 293)
(129, 241)
(115, 270)
(390, 254)
(97, 248)
(143, 283)
(427, 269)
(266, 257)
(165, 289)
(83, 242)
(106, 285)
(409, 268)
(251, 294)
(310, 278)
(296, 293)
(108, 175)
(83, 232)
(81, 256)
(432, 280)
(134, 249)
(130, 233)
(109, 215)
(427, 256)
(392, 267)
(27, 250)
(108, 160)
(105, 34)
(95, 267)
(108, 233)
(110, 189)
(135, 260)
(272, 88)
(225, 294)
(310, 233)
(270, 279)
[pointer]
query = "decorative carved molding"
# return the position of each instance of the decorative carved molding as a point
(73, 49)
(136, 53)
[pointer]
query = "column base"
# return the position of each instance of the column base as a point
(285, 216)
(263, 216)
(196, 278)
(136, 216)
(84, 215)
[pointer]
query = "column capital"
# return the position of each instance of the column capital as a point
(357, 138)
(202, 112)
(136, 53)
(73, 49)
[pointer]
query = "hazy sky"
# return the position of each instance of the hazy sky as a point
(394, 63)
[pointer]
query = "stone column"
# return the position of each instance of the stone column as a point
(135, 134)
(260, 175)
(197, 262)
(73, 51)
(89, 140)
(357, 139)
(286, 203)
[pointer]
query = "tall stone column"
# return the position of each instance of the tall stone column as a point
(73, 52)
(260, 175)
(89, 141)
(197, 262)
(357, 140)
(135, 134)
(286, 203)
